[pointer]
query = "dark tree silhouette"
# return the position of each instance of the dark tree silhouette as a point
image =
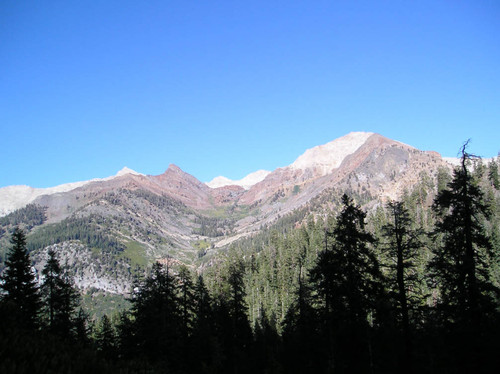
(106, 338)
(347, 280)
(186, 300)
(157, 320)
(19, 283)
(240, 336)
(300, 333)
(460, 265)
(204, 339)
(59, 297)
(402, 250)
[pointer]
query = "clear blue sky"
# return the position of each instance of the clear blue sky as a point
(229, 87)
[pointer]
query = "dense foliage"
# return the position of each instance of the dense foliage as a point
(30, 216)
(90, 230)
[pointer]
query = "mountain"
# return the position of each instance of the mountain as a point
(323, 159)
(130, 220)
(246, 182)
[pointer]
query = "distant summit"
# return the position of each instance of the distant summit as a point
(246, 182)
(15, 197)
(126, 171)
(329, 156)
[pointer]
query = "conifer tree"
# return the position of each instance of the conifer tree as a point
(205, 344)
(106, 337)
(230, 309)
(460, 267)
(156, 316)
(347, 280)
(186, 306)
(237, 306)
(59, 296)
(402, 251)
(300, 329)
(19, 283)
(460, 263)
(82, 327)
(493, 174)
(186, 300)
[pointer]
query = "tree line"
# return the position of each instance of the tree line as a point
(409, 291)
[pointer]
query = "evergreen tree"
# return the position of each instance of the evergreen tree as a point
(205, 345)
(402, 251)
(460, 266)
(186, 300)
(82, 328)
(19, 283)
(105, 338)
(60, 298)
(493, 174)
(156, 317)
(233, 330)
(300, 329)
(347, 280)
(241, 333)
(186, 305)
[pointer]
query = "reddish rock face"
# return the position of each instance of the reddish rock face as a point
(183, 186)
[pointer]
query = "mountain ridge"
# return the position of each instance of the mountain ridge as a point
(17, 196)
(134, 219)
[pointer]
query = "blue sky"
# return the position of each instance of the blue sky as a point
(230, 87)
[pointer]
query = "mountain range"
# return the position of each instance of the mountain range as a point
(134, 219)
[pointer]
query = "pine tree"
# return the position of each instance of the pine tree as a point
(186, 300)
(347, 280)
(460, 267)
(205, 342)
(156, 316)
(402, 251)
(60, 298)
(230, 310)
(300, 329)
(186, 305)
(460, 263)
(493, 174)
(82, 328)
(237, 306)
(106, 337)
(19, 283)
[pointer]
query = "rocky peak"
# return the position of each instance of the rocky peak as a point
(125, 170)
(325, 158)
(246, 182)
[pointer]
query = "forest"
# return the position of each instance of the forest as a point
(409, 287)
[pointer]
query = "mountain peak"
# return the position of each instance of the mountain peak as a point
(246, 182)
(174, 167)
(329, 156)
(125, 170)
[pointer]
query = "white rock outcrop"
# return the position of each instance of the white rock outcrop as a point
(246, 182)
(327, 157)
